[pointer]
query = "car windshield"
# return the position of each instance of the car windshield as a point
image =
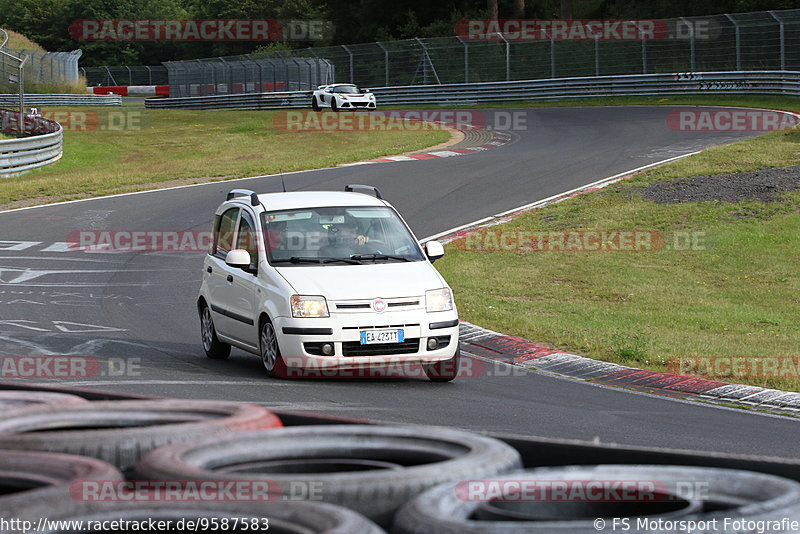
(347, 89)
(338, 236)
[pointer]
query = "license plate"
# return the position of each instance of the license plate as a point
(370, 337)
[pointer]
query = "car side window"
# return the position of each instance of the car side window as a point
(223, 232)
(247, 239)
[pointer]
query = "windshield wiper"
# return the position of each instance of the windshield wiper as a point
(312, 259)
(379, 257)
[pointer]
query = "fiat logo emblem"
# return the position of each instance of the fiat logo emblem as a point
(379, 305)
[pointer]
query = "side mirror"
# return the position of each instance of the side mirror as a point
(238, 258)
(434, 250)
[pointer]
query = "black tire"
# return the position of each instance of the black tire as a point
(370, 469)
(281, 517)
(213, 347)
(315, 104)
(121, 432)
(270, 351)
(685, 493)
(445, 370)
(18, 399)
(334, 107)
(30, 476)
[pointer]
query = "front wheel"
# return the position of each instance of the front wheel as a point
(315, 104)
(334, 107)
(270, 352)
(215, 349)
(445, 370)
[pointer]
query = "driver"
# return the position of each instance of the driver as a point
(343, 240)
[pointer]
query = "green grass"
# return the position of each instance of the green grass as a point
(736, 294)
(141, 149)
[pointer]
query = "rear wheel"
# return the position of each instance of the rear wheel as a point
(215, 349)
(270, 352)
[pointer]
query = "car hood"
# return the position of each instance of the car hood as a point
(368, 281)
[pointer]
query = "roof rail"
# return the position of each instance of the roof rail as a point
(245, 193)
(372, 189)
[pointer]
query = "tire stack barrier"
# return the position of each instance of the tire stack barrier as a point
(364, 478)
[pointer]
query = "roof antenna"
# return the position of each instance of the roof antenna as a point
(282, 182)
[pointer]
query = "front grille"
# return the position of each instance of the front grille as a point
(351, 306)
(355, 348)
(403, 303)
(360, 104)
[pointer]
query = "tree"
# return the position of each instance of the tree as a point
(491, 5)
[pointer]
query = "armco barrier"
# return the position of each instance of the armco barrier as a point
(285, 100)
(779, 83)
(62, 100)
(26, 153)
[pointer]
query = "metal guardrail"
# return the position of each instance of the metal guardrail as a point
(784, 83)
(283, 100)
(750, 82)
(38, 100)
(26, 153)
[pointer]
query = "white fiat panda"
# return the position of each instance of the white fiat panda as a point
(326, 283)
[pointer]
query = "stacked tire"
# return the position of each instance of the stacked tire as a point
(334, 478)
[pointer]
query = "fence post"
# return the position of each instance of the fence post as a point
(351, 63)
(691, 42)
(738, 43)
(385, 61)
(22, 95)
(552, 56)
(597, 55)
(466, 58)
(783, 40)
(508, 57)
(318, 68)
(644, 55)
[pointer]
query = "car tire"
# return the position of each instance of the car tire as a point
(687, 493)
(270, 351)
(334, 107)
(19, 399)
(237, 516)
(371, 469)
(445, 370)
(213, 347)
(315, 104)
(121, 432)
(32, 476)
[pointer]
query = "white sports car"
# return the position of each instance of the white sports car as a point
(341, 96)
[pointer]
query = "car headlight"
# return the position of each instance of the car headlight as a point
(343, 97)
(439, 300)
(305, 306)
(372, 97)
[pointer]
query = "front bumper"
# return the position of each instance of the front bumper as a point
(357, 104)
(301, 340)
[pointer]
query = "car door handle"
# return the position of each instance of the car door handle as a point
(229, 278)
(209, 270)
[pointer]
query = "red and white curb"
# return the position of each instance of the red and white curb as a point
(499, 138)
(525, 353)
(130, 90)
